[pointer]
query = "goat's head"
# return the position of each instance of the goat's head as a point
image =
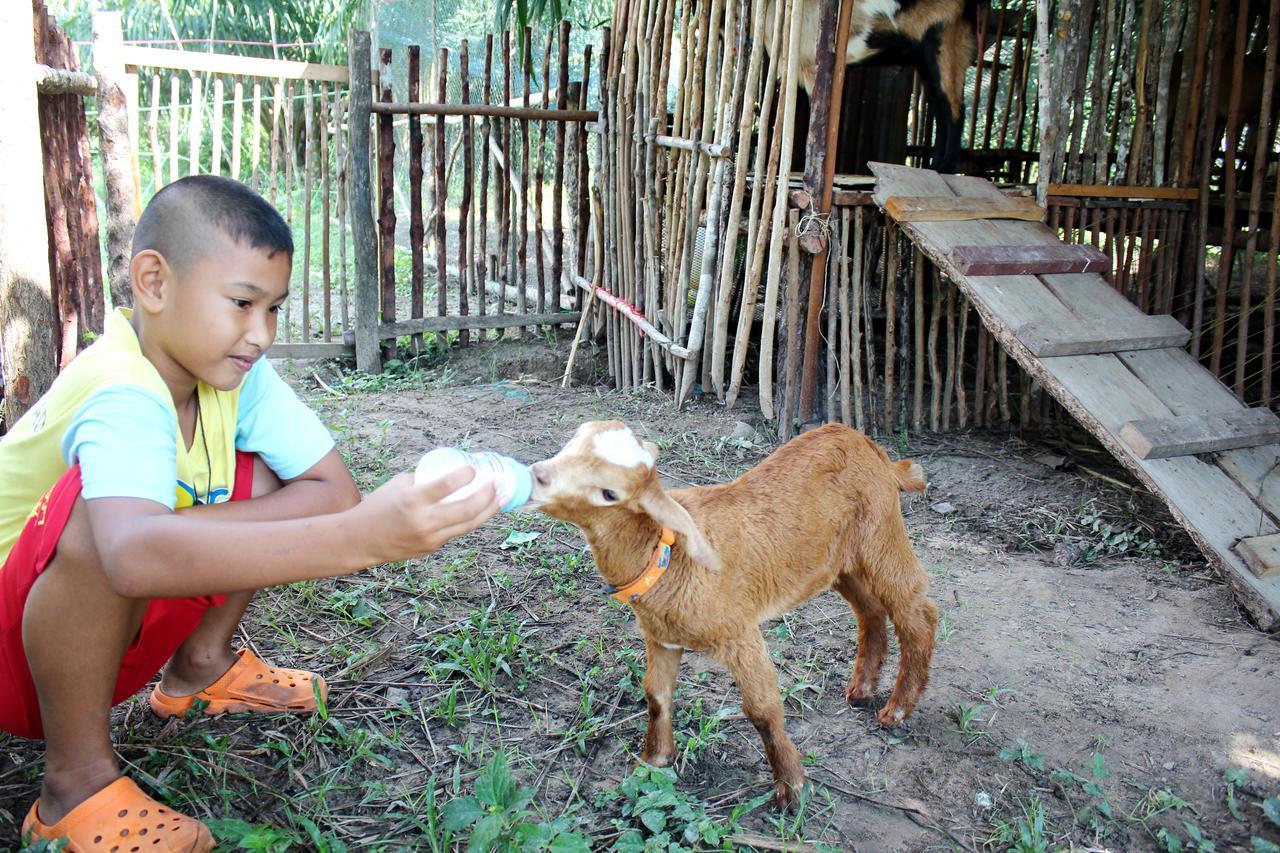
(605, 470)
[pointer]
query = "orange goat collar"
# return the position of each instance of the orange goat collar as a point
(656, 569)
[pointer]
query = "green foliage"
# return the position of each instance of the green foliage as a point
(1027, 832)
(499, 816)
(657, 816)
(482, 650)
(1022, 752)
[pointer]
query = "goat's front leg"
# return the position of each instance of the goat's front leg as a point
(748, 662)
(659, 693)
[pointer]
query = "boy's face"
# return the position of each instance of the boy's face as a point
(218, 316)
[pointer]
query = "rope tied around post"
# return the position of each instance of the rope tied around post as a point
(814, 230)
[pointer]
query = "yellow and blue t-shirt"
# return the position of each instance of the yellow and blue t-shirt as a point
(111, 412)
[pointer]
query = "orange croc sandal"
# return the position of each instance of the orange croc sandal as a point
(121, 818)
(250, 685)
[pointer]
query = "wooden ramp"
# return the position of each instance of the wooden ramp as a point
(1123, 374)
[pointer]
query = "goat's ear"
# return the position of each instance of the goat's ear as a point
(663, 509)
(652, 448)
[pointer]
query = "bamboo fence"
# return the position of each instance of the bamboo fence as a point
(697, 119)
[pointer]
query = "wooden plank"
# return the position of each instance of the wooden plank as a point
(1261, 554)
(388, 331)
(1099, 336)
(1186, 435)
(221, 63)
(1122, 191)
(1035, 259)
(331, 349)
(1181, 383)
(1106, 391)
(486, 110)
(953, 208)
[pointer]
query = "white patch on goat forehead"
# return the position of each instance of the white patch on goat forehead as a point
(621, 447)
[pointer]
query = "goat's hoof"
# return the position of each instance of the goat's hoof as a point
(858, 697)
(892, 716)
(657, 759)
(786, 795)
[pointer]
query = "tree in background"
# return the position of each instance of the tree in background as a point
(314, 30)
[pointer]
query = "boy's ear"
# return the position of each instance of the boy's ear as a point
(148, 273)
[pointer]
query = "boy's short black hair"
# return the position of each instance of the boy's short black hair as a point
(177, 220)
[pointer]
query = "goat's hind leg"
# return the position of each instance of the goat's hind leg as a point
(899, 583)
(659, 694)
(748, 662)
(873, 638)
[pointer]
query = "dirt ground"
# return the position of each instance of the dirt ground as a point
(1094, 686)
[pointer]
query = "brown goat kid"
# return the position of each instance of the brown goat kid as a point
(822, 512)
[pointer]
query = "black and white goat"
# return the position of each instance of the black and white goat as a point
(935, 36)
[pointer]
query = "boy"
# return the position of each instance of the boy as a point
(107, 570)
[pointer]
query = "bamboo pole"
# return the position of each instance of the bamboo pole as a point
(466, 267)
(819, 171)
(307, 184)
(1264, 132)
(255, 113)
(892, 258)
(791, 355)
(557, 200)
(215, 160)
(521, 280)
(720, 334)
(237, 125)
(779, 210)
(711, 254)
(386, 203)
(277, 107)
(322, 141)
(175, 108)
(1269, 303)
(360, 203)
(417, 228)
(153, 135)
(540, 178)
(288, 152)
(917, 396)
(856, 298)
(869, 338)
(502, 178)
(486, 132)
(195, 127)
(341, 161)
(949, 382)
(768, 150)
(842, 307)
(1227, 259)
(442, 201)
(937, 308)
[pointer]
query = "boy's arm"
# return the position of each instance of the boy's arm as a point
(325, 487)
(147, 551)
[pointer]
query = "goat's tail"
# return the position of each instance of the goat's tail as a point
(910, 475)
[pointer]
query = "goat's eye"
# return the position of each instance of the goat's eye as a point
(609, 495)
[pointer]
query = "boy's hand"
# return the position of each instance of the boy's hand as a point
(402, 520)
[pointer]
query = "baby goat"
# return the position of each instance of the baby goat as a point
(820, 512)
(934, 36)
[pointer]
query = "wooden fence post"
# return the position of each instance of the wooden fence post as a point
(117, 159)
(26, 295)
(360, 204)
